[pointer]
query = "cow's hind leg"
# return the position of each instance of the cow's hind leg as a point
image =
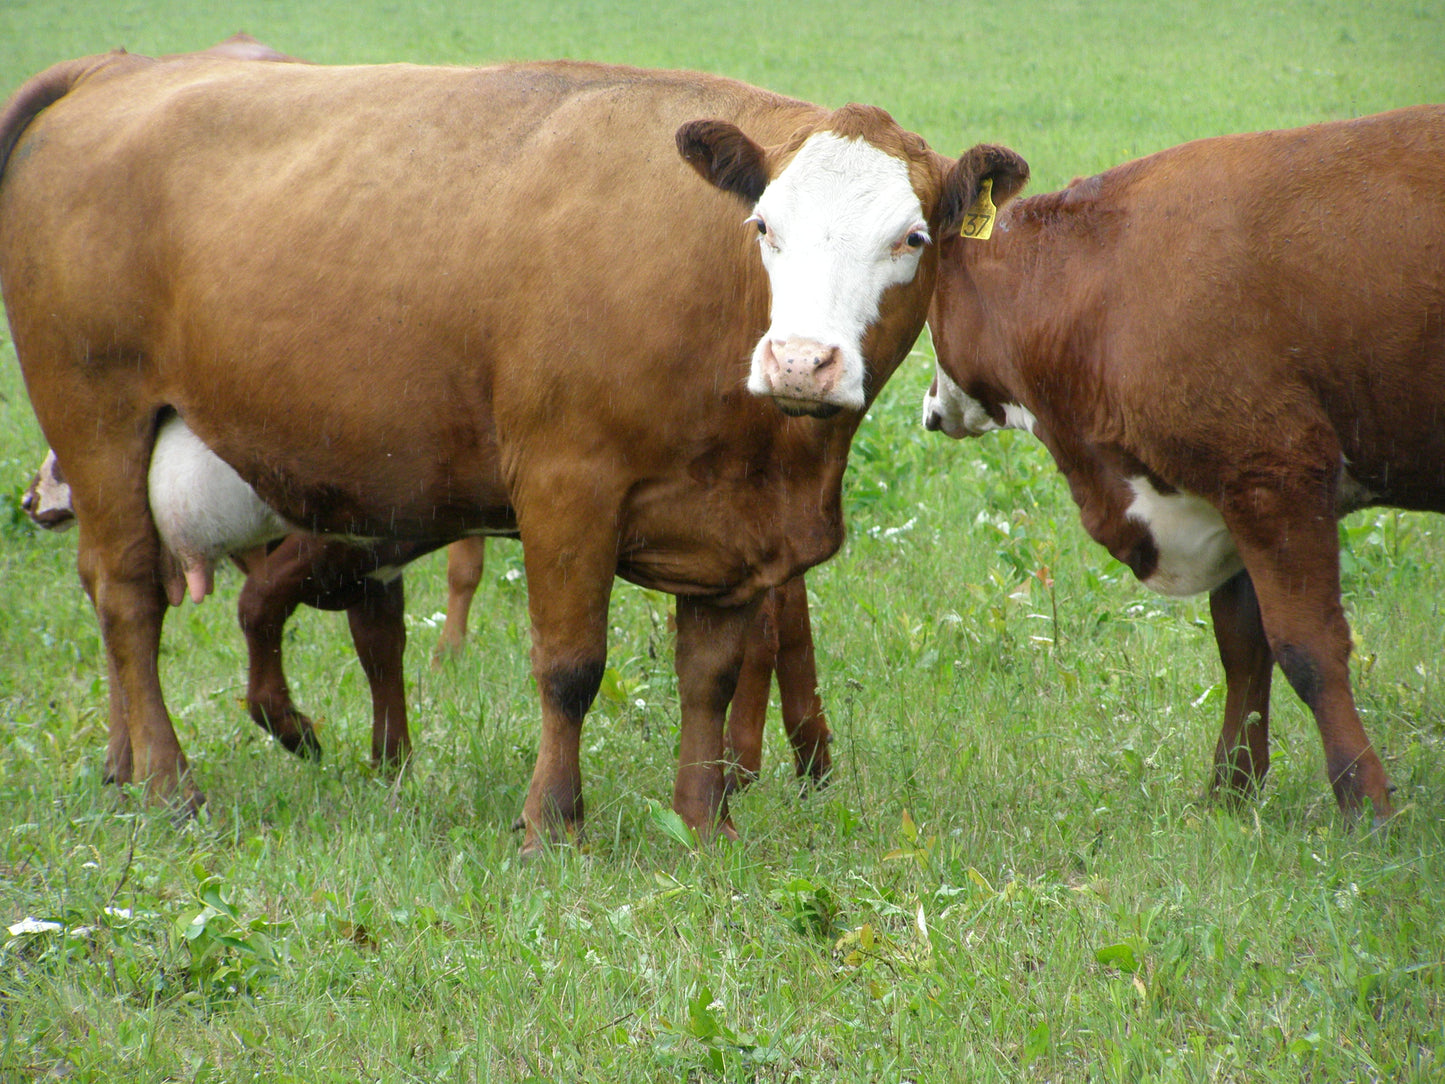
(1241, 757)
(710, 649)
(1290, 546)
(119, 562)
(803, 717)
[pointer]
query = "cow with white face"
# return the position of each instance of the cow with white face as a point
(1220, 379)
(836, 230)
(422, 303)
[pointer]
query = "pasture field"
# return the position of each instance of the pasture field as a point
(1014, 873)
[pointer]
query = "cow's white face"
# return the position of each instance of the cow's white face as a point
(949, 410)
(837, 227)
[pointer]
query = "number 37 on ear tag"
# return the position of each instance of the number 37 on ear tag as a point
(978, 220)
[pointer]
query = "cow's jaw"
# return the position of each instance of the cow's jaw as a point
(839, 226)
(949, 410)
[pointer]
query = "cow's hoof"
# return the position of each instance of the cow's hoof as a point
(187, 807)
(303, 743)
(555, 836)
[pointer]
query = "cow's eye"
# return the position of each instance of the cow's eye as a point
(757, 220)
(916, 239)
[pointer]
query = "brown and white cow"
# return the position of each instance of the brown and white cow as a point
(417, 303)
(1225, 347)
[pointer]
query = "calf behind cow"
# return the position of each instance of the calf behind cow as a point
(1225, 347)
(201, 498)
(417, 303)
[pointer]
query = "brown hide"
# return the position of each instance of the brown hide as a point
(417, 302)
(1241, 319)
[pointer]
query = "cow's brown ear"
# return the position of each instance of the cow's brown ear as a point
(724, 157)
(1008, 172)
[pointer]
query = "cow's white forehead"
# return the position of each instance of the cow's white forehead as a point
(837, 219)
(844, 188)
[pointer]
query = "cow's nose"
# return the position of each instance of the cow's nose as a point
(27, 502)
(933, 421)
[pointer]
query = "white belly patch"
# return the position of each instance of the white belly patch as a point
(1196, 552)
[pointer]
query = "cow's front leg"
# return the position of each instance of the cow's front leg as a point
(1241, 758)
(1292, 557)
(569, 585)
(748, 714)
(710, 648)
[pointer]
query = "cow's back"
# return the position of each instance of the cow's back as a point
(408, 269)
(1305, 268)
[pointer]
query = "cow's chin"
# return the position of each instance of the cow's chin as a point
(805, 408)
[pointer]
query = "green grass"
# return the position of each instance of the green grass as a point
(1013, 874)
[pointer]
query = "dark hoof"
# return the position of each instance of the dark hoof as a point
(303, 744)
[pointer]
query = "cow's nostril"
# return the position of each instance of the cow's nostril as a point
(934, 422)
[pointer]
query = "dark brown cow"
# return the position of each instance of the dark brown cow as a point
(1225, 347)
(300, 569)
(365, 581)
(418, 303)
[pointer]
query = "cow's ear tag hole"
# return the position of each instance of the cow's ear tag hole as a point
(978, 220)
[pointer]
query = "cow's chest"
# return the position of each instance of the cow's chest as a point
(1195, 550)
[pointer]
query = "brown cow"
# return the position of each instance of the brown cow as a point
(470, 300)
(1225, 347)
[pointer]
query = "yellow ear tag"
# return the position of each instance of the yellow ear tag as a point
(978, 220)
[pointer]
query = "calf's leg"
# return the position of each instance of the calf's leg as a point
(273, 589)
(465, 558)
(330, 575)
(1241, 757)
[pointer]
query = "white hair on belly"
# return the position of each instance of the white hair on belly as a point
(1196, 551)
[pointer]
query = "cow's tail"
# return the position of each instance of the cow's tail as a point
(44, 90)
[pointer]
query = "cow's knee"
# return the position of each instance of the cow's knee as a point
(571, 688)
